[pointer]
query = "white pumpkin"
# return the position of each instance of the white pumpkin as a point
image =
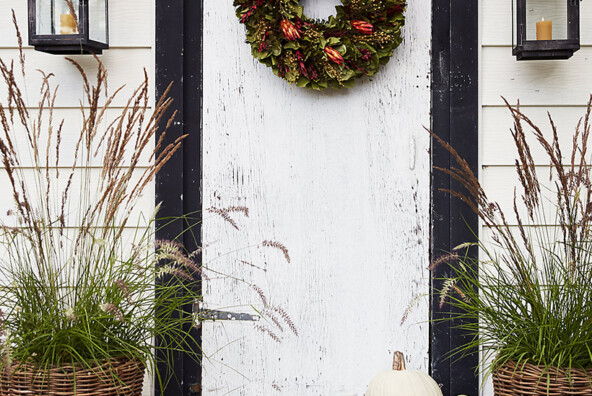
(401, 382)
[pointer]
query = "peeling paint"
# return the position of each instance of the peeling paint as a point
(342, 179)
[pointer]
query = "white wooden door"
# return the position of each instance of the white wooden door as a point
(342, 179)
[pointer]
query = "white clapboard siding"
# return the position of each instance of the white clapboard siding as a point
(131, 237)
(492, 177)
(559, 87)
(131, 23)
(132, 40)
(125, 68)
(70, 134)
(139, 216)
(542, 237)
(342, 179)
(541, 83)
(496, 24)
(499, 148)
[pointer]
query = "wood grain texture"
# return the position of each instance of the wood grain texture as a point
(131, 23)
(496, 29)
(342, 179)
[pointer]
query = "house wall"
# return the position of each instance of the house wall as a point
(132, 42)
(341, 178)
(560, 87)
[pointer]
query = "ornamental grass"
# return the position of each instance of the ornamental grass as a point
(84, 286)
(527, 299)
(81, 280)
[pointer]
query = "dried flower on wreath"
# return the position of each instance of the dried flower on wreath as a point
(320, 54)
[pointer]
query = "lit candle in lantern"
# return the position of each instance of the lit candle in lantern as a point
(67, 24)
(544, 30)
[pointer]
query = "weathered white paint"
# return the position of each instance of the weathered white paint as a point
(560, 87)
(342, 179)
(132, 38)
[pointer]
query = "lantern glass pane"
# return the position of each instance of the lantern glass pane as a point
(97, 25)
(55, 17)
(514, 24)
(549, 10)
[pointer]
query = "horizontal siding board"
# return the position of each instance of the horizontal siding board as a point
(543, 234)
(544, 83)
(139, 216)
(69, 136)
(500, 182)
(131, 23)
(130, 239)
(496, 26)
(498, 144)
(125, 68)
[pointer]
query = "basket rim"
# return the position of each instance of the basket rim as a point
(85, 364)
(525, 378)
(520, 366)
(104, 377)
(105, 366)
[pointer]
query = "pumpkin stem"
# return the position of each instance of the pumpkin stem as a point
(398, 361)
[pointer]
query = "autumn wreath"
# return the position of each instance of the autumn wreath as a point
(320, 54)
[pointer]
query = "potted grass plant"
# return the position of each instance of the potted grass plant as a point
(84, 291)
(528, 296)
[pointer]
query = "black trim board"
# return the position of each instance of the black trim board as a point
(178, 190)
(455, 109)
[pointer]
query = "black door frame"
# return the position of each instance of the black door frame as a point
(454, 118)
(178, 57)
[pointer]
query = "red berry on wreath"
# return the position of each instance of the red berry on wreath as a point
(397, 9)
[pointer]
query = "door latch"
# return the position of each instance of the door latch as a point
(204, 314)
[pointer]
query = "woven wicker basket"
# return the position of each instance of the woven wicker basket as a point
(529, 379)
(116, 377)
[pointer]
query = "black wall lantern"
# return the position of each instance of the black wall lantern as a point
(69, 26)
(545, 29)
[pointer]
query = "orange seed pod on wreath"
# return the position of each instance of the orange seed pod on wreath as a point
(363, 27)
(334, 55)
(289, 30)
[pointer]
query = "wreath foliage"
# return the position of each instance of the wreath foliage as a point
(321, 54)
